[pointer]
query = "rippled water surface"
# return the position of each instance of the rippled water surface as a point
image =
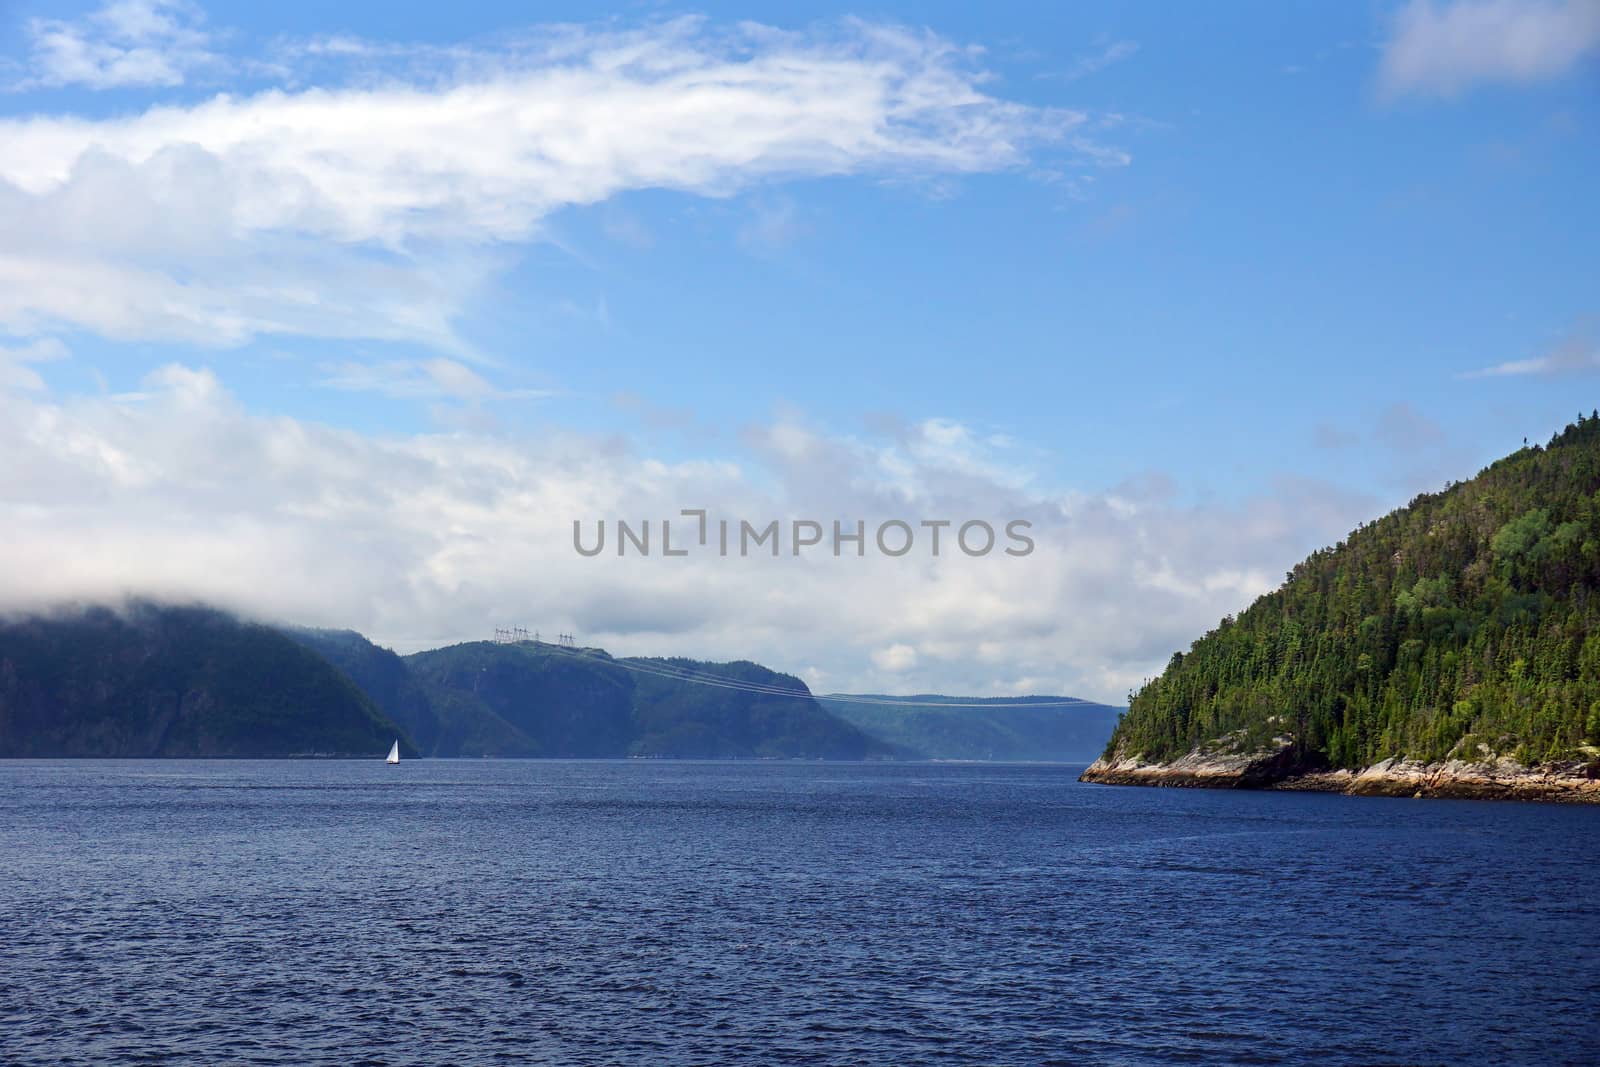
(766, 913)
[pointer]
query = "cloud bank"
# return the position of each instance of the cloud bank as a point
(179, 491)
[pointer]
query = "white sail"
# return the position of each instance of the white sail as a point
(394, 753)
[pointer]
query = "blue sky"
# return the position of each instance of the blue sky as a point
(1208, 261)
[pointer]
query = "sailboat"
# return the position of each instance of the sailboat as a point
(394, 753)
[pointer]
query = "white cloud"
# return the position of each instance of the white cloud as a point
(774, 223)
(628, 229)
(1109, 52)
(1443, 49)
(428, 379)
(895, 659)
(14, 360)
(125, 43)
(426, 539)
(376, 210)
(1577, 354)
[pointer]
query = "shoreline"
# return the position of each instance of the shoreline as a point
(1572, 782)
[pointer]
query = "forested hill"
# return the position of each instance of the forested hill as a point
(531, 699)
(1465, 623)
(151, 680)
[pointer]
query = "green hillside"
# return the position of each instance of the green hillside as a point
(527, 700)
(175, 681)
(1469, 618)
(537, 699)
(680, 719)
(383, 676)
(153, 680)
(443, 721)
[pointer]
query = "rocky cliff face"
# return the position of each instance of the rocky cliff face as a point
(1495, 779)
(1213, 767)
(1220, 767)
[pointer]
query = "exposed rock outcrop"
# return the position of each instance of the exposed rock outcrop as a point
(1220, 766)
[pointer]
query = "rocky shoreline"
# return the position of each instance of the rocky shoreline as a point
(1490, 779)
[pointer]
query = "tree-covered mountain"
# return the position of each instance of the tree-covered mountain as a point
(579, 703)
(677, 718)
(383, 676)
(527, 700)
(1008, 729)
(1464, 624)
(442, 721)
(530, 699)
(153, 680)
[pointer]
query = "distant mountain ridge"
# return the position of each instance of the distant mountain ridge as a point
(1032, 728)
(528, 698)
(153, 680)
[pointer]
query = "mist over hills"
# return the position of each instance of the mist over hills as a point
(152, 680)
(155, 680)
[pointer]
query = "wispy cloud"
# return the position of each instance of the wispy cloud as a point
(1443, 49)
(429, 379)
(375, 210)
(126, 43)
(14, 359)
(773, 223)
(1106, 53)
(1576, 354)
(628, 229)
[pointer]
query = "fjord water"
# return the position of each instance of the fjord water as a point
(658, 912)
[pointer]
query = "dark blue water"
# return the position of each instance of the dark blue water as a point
(696, 913)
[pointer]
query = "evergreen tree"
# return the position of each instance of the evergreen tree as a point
(1468, 618)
